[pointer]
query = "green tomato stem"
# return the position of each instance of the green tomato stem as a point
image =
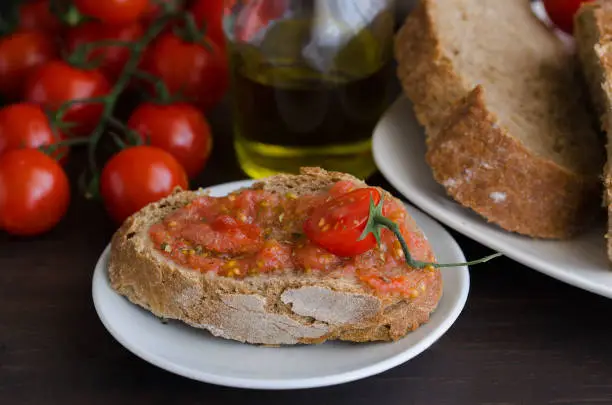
(162, 94)
(133, 137)
(377, 221)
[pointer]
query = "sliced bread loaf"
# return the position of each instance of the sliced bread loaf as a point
(288, 306)
(508, 133)
(593, 34)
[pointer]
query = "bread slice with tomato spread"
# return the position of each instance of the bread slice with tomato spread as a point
(242, 267)
(508, 130)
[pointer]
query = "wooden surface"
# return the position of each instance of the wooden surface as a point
(522, 339)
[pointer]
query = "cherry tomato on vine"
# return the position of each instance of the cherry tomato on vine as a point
(113, 11)
(562, 12)
(57, 82)
(25, 125)
(179, 129)
(208, 14)
(34, 192)
(20, 54)
(37, 15)
(337, 225)
(113, 58)
(194, 70)
(138, 176)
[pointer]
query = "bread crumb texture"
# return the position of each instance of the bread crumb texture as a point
(501, 102)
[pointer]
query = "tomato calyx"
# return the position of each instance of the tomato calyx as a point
(162, 95)
(377, 222)
(191, 33)
(67, 14)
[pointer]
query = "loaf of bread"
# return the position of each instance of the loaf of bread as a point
(593, 34)
(508, 131)
(287, 306)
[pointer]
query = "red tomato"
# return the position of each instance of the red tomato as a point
(57, 82)
(208, 14)
(179, 129)
(37, 15)
(138, 176)
(562, 12)
(257, 14)
(34, 192)
(196, 72)
(25, 125)
(337, 225)
(113, 58)
(113, 11)
(20, 54)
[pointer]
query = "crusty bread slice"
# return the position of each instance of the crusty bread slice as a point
(508, 133)
(593, 34)
(290, 308)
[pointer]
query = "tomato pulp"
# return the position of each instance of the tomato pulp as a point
(254, 232)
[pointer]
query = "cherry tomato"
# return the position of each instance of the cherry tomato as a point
(34, 192)
(113, 58)
(208, 14)
(57, 82)
(20, 54)
(198, 73)
(180, 129)
(256, 15)
(337, 225)
(25, 125)
(138, 176)
(562, 12)
(113, 11)
(37, 15)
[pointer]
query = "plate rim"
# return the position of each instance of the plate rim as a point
(285, 384)
(439, 213)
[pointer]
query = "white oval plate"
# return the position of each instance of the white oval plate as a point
(196, 354)
(399, 152)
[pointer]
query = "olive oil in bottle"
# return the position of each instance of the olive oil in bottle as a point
(290, 112)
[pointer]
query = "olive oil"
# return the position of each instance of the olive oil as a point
(289, 114)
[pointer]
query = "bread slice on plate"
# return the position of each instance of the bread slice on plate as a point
(294, 303)
(508, 132)
(593, 34)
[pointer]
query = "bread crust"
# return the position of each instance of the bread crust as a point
(271, 310)
(593, 33)
(477, 161)
(485, 169)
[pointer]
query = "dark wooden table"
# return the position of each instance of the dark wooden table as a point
(522, 339)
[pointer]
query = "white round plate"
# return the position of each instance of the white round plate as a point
(196, 354)
(399, 151)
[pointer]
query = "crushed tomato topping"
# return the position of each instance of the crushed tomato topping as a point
(253, 232)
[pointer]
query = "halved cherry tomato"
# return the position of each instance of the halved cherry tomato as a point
(113, 11)
(562, 12)
(195, 70)
(113, 58)
(37, 15)
(20, 54)
(138, 176)
(179, 128)
(25, 125)
(337, 225)
(34, 192)
(56, 82)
